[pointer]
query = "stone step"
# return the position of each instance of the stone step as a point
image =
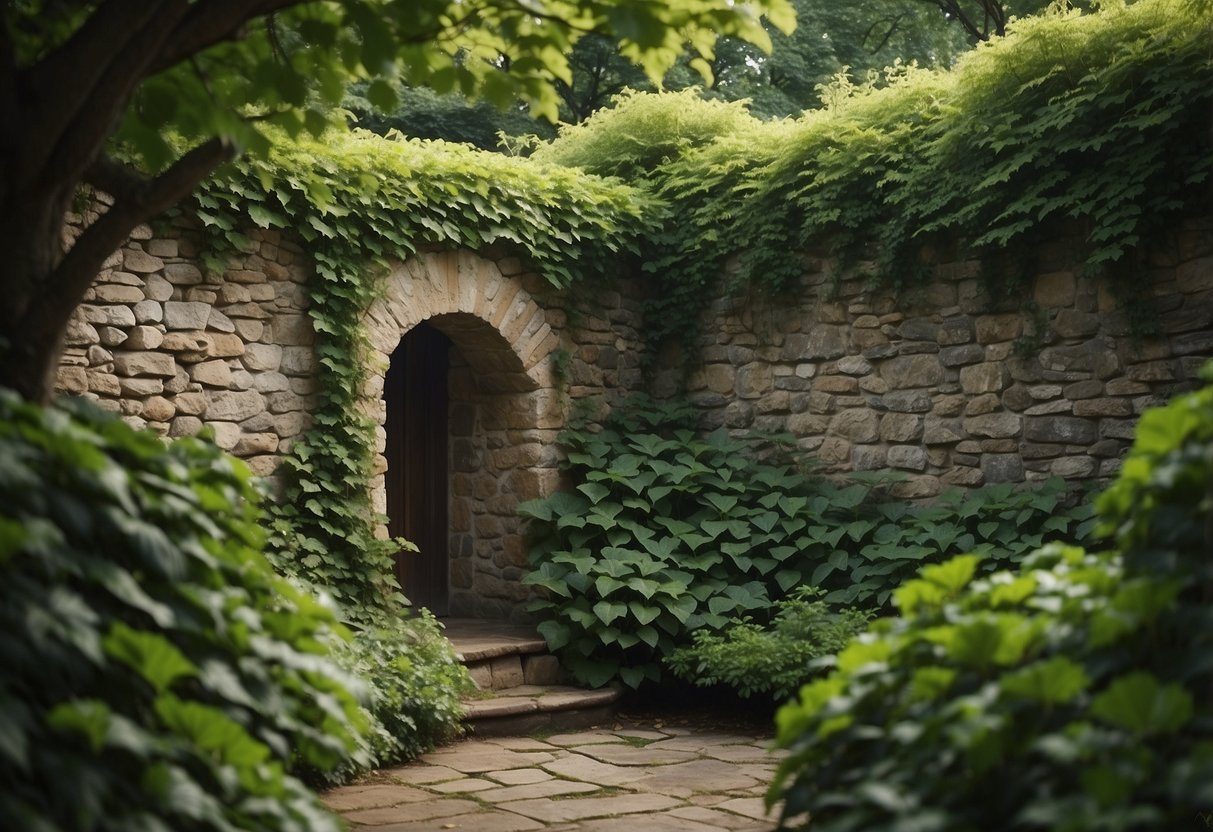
(526, 709)
(520, 682)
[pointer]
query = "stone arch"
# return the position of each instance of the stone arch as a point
(504, 413)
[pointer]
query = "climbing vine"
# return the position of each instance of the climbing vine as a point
(358, 201)
(1099, 121)
(1094, 122)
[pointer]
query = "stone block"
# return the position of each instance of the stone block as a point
(980, 405)
(507, 672)
(148, 312)
(1103, 407)
(251, 444)
(941, 431)
(919, 329)
(916, 487)
(994, 425)
(119, 316)
(955, 331)
(541, 670)
(140, 388)
(901, 427)
(1069, 430)
(72, 380)
(994, 328)
(1088, 389)
(182, 274)
(1017, 397)
(236, 405)
(753, 380)
(909, 371)
(1002, 468)
(1073, 467)
(908, 457)
(988, 377)
(158, 409)
(826, 341)
(140, 262)
(854, 365)
(117, 293)
(186, 314)
(907, 401)
(103, 384)
(111, 336)
(185, 426)
(856, 425)
(144, 338)
(145, 364)
(836, 384)
(215, 373)
(868, 458)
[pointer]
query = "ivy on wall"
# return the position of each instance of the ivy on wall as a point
(359, 201)
(1099, 120)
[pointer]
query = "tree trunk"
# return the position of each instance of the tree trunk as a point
(32, 325)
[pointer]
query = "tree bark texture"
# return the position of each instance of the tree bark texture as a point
(58, 114)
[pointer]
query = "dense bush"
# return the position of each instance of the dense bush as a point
(1097, 119)
(1072, 694)
(157, 674)
(774, 660)
(415, 682)
(668, 533)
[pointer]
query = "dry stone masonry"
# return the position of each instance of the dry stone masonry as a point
(173, 348)
(946, 387)
(941, 385)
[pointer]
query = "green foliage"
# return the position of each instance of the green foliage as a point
(775, 660)
(424, 114)
(158, 674)
(641, 132)
(1097, 122)
(667, 533)
(1071, 694)
(415, 682)
(358, 200)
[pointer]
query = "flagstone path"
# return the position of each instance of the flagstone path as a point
(648, 779)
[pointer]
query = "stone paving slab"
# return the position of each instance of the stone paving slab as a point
(667, 779)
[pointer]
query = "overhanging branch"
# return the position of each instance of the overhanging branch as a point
(137, 199)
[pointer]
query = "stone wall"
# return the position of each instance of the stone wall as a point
(944, 386)
(940, 385)
(173, 348)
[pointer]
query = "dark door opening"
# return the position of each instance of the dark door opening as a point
(415, 390)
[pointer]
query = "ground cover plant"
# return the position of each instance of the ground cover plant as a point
(158, 674)
(667, 533)
(774, 660)
(1071, 693)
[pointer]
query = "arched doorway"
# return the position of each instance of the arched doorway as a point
(415, 394)
(493, 437)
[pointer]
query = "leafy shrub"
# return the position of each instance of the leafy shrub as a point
(415, 683)
(157, 674)
(668, 533)
(1072, 694)
(642, 131)
(775, 660)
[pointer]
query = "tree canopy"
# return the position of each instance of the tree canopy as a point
(143, 100)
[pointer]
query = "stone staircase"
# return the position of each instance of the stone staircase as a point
(519, 682)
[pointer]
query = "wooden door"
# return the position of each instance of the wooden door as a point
(415, 390)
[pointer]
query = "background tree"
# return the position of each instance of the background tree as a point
(143, 100)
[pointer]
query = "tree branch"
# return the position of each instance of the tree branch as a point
(136, 199)
(68, 82)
